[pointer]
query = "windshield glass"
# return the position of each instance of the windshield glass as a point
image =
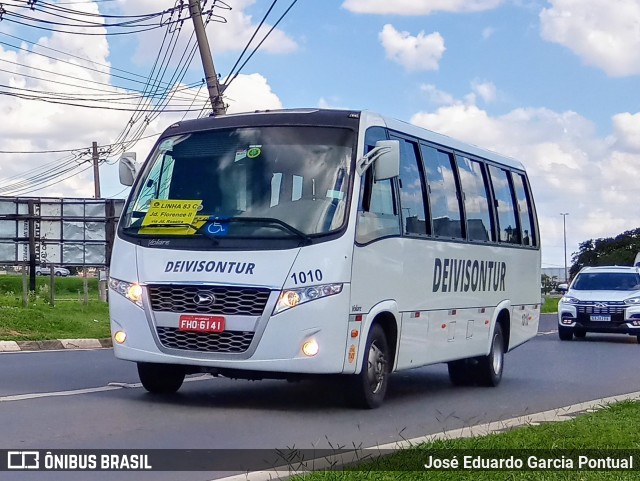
(246, 182)
(607, 281)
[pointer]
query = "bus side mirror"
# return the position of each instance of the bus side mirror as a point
(387, 164)
(386, 155)
(127, 168)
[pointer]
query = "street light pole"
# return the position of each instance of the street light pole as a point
(564, 230)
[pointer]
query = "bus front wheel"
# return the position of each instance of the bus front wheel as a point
(160, 378)
(367, 389)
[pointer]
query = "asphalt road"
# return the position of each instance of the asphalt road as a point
(543, 374)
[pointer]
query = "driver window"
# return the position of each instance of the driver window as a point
(378, 212)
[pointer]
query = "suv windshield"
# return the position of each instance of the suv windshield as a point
(247, 182)
(607, 281)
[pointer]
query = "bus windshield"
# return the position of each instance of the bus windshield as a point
(254, 182)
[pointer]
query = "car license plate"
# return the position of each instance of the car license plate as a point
(197, 323)
(600, 318)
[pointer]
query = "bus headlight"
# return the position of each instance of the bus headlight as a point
(294, 297)
(130, 290)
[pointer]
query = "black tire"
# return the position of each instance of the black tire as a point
(462, 372)
(160, 378)
(580, 333)
(638, 338)
(367, 389)
(58, 274)
(565, 333)
(489, 367)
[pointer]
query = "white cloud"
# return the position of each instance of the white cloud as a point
(603, 34)
(437, 96)
(251, 92)
(418, 7)
(627, 131)
(486, 90)
(422, 52)
(571, 168)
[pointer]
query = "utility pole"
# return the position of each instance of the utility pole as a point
(215, 92)
(96, 171)
(564, 230)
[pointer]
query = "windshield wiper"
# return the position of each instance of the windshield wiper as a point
(270, 220)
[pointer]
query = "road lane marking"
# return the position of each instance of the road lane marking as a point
(37, 395)
(112, 386)
(334, 462)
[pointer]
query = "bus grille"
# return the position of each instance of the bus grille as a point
(225, 342)
(228, 301)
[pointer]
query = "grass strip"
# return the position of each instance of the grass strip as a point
(614, 427)
(68, 319)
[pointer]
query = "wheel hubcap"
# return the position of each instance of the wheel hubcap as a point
(497, 354)
(376, 367)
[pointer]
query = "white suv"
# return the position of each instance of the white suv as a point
(601, 299)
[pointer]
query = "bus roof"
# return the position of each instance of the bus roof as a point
(335, 118)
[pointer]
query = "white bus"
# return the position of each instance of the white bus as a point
(295, 243)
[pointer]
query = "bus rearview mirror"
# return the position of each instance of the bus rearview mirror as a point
(127, 168)
(387, 165)
(386, 155)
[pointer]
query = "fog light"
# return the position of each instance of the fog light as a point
(310, 348)
(120, 337)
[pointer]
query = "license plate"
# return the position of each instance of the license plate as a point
(600, 318)
(195, 323)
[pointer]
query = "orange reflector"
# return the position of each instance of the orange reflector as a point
(444, 326)
(352, 354)
(486, 323)
(354, 333)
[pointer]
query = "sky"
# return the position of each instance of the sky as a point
(551, 83)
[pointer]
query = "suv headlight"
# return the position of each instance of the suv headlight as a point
(633, 301)
(130, 290)
(290, 298)
(569, 300)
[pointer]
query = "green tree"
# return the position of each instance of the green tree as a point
(620, 250)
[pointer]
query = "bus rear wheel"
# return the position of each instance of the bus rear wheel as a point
(367, 389)
(489, 367)
(160, 378)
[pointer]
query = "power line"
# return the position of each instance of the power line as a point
(229, 82)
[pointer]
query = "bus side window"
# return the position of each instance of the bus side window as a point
(444, 195)
(508, 227)
(476, 200)
(412, 190)
(525, 210)
(377, 213)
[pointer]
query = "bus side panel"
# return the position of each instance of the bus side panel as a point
(447, 293)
